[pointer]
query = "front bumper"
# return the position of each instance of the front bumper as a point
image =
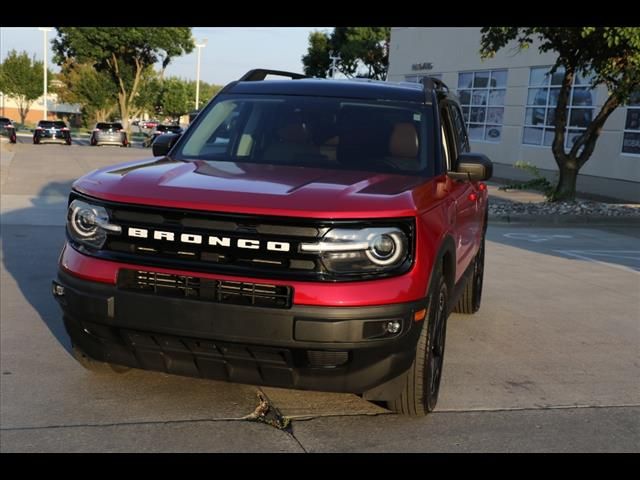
(342, 349)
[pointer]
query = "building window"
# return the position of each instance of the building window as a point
(631, 136)
(482, 100)
(418, 78)
(542, 98)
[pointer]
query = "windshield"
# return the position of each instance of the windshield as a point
(324, 132)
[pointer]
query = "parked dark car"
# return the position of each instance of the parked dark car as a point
(7, 129)
(160, 130)
(109, 133)
(52, 131)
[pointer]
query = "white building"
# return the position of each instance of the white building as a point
(508, 103)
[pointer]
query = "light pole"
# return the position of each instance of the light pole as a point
(44, 44)
(199, 46)
(334, 60)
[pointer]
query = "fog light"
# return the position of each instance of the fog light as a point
(58, 290)
(393, 326)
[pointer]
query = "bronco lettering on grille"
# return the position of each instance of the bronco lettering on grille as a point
(196, 239)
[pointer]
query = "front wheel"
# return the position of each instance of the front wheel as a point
(420, 393)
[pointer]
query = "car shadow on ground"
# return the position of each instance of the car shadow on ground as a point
(30, 253)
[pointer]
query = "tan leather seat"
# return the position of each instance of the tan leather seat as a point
(294, 145)
(404, 147)
(404, 141)
(293, 133)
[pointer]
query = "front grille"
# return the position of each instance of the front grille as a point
(221, 243)
(198, 288)
(207, 257)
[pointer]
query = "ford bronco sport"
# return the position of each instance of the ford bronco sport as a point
(302, 233)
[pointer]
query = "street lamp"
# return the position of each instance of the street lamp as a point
(199, 46)
(334, 60)
(44, 44)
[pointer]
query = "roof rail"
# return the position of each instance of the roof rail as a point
(259, 74)
(432, 83)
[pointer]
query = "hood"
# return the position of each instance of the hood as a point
(252, 188)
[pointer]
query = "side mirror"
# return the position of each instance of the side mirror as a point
(163, 143)
(473, 167)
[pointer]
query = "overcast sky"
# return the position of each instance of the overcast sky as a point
(229, 53)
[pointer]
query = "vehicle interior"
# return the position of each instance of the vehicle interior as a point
(317, 132)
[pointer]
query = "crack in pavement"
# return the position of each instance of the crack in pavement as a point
(267, 412)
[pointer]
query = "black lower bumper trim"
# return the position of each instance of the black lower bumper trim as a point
(342, 349)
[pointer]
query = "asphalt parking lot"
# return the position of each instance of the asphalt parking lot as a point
(551, 363)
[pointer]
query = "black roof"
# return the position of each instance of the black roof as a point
(352, 88)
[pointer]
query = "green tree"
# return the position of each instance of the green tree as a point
(122, 52)
(207, 92)
(93, 90)
(174, 99)
(148, 98)
(607, 55)
(21, 78)
(363, 52)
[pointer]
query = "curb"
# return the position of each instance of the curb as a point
(563, 220)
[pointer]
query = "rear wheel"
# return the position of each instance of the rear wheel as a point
(420, 393)
(471, 297)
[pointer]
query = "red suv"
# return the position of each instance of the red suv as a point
(301, 233)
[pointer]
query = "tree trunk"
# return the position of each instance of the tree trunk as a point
(124, 113)
(566, 188)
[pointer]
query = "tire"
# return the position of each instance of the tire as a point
(420, 393)
(96, 366)
(471, 297)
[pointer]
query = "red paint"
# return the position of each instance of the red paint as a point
(442, 208)
(255, 189)
(404, 288)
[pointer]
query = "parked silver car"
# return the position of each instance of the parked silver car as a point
(160, 130)
(109, 133)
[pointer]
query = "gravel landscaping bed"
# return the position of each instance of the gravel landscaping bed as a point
(584, 208)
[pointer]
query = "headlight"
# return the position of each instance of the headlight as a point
(345, 250)
(89, 224)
